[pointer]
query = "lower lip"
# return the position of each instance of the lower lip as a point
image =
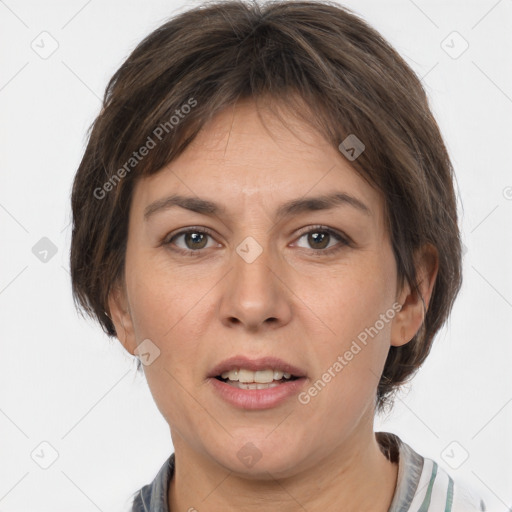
(257, 398)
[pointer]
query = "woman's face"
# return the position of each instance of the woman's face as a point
(301, 284)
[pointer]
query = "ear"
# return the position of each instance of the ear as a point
(409, 319)
(120, 315)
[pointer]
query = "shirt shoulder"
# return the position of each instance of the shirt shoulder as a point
(423, 485)
(153, 497)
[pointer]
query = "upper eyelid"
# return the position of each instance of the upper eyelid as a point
(319, 227)
(192, 229)
(343, 239)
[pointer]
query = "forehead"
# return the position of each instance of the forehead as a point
(246, 157)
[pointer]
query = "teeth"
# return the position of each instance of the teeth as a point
(247, 375)
(232, 375)
(278, 375)
(252, 385)
(259, 377)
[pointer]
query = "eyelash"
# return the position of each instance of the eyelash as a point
(345, 241)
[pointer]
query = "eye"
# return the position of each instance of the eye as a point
(319, 239)
(194, 239)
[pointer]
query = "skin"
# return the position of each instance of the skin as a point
(294, 301)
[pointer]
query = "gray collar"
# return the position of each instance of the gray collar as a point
(410, 466)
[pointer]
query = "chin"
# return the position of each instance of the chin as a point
(258, 458)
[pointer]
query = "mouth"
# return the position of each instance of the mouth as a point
(243, 378)
(256, 383)
(263, 370)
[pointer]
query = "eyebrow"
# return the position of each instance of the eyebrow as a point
(293, 207)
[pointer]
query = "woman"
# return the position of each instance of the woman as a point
(265, 216)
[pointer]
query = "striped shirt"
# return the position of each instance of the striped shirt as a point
(422, 485)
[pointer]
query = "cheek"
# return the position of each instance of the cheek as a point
(170, 307)
(349, 300)
(163, 298)
(356, 312)
(165, 310)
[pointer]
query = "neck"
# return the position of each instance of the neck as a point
(353, 477)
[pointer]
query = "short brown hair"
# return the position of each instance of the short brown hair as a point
(334, 71)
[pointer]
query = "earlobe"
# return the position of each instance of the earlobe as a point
(120, 315)
(411, 316)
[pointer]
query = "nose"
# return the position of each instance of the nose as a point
(255, 293)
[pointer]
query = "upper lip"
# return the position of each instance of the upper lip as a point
(262, 363)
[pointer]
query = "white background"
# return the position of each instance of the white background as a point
(64, 382)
